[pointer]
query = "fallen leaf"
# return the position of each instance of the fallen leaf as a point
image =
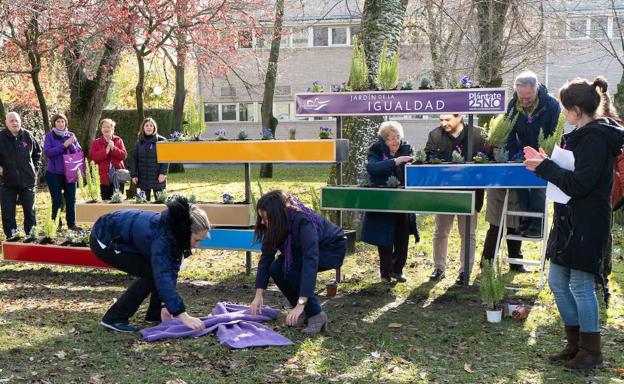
(395, 325)
(468, 368)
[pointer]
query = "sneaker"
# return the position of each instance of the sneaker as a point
(119, 327)
(460, 279)
(437, 275)
(400, 278)
(518, 268)
(385, 280)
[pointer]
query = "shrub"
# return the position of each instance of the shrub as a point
(242, 135)
(393, 182)
(117, 197)
(457, 157)
(358, 74)
(160, 197)
(548, 143)
(89, 186)
(492, 286)
(49, 227)
(499, 129)
(420, 156)
(388, 75)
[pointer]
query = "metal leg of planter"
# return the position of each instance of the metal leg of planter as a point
(247, 201)
(247, 263)
(338, 182)
(467, 263)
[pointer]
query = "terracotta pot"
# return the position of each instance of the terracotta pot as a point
(331, 289)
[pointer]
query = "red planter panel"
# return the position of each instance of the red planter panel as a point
(51, 254)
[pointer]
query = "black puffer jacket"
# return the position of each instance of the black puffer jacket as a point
(20, 158)
(145, 163)
(581, 228)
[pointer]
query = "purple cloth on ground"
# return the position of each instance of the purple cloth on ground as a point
(234, 325)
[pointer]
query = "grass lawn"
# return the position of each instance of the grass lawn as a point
(50, 334)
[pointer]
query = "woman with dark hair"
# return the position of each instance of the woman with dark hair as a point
(58, 142)
(308, 243)
(147, 173)
(150, 246)
(581, 227)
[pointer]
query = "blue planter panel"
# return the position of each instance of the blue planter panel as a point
(459, 176)
(234, 239)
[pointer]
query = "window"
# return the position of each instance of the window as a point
(599, 27)
(247, 111)
(320, 36)
(282, 90)
(281, 110)
(245, 39)
(339, 36)
(300, 38)
(577, 28)
(228, 91)
(264, 40)
(228, 112)
(211, 112)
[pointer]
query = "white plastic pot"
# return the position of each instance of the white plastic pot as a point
(511, 308)
(494, 316)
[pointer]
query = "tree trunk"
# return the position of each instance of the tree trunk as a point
(87, 97)
(382, 21)
(2, 112)
(268, 120)
(139, 86)
(491, 16)
(34, 75)
(180, 91)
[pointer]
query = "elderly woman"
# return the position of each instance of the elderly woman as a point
(388, 231)
(108, 151)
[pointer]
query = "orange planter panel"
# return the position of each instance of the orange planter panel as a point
(249, 151)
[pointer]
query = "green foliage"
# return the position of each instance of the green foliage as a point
(325, 133)
(192, 199)
(70, 237)
(358, 74)
(492, 286)
(425, 83)
(436, 160)
(89, 186)
(292, 133)
(457, 157)
(480, 157)
(83, 237)
(388, 75)
(316, 87)
(393, 182)
(316, 203)
(499, 129)
(49, 226)
(139, 198)
(548, 143)
(34, 232)
(408, 84)
(117, 197)
(501, 155)
(195, 118)
(18, 233)
(160, 197)
(420, 156)
(242, 135)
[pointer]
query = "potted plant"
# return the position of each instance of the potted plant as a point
(492, 290)
(292, 134)
(242, 135)
(420, 156)
(325, 133)
(481, 157)
(220, 135)
(457, 157)
(499, 129)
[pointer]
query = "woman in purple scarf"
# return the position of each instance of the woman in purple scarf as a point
(308, 243)
(58, 142)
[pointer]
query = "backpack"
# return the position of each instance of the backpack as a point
(617, 191)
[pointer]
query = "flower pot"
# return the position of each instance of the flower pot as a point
(511, 308)
(494, 316)
(331, 288)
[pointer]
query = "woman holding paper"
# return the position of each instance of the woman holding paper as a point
(581, 227)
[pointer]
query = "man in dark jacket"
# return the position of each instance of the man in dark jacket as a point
(534, 110)
(448, 137)
(20, 156)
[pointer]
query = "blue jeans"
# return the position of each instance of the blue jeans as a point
(289, 284)
(575, 296)
(59, 188)
(532, 200)
(8, 203)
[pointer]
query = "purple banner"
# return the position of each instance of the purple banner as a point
(474, 100)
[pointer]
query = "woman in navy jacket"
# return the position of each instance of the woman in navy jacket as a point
(308, 243)
(389, 231)
(147, 173)
(151, 246)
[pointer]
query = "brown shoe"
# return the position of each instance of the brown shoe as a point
(589, 355)
(571, 348)
(316, 324)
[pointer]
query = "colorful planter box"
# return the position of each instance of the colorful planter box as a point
(50, 254)
(397, 200)
(220, 215)
(470, 176)
(255, 151)
(231, 239)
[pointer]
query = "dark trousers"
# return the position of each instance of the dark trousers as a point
(106, 191)
(392, 259)
(130, 301)
(8, 203)
(59, 188)
(148, 193)
(489, 245)
(289, 282)
(532, 200)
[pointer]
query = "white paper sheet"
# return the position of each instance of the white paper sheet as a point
(564, 159)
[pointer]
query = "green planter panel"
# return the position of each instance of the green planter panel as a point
(397, 200)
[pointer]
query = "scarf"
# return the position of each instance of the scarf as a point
(297, 206)
(62, 133)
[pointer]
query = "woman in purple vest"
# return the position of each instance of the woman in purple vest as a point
(58, 142)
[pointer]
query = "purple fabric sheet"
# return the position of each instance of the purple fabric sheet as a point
(234, 325)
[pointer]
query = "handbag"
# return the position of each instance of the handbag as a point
(72, 164)
(118, 176)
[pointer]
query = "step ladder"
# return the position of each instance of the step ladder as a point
(542, 240)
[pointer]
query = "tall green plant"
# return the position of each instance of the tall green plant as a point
(548, 143)
(89, 186)
(196, 124)
(49, 227)
(492, 286)
(499, 129)
(388, 75)
(358, 75)
(316, 203)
